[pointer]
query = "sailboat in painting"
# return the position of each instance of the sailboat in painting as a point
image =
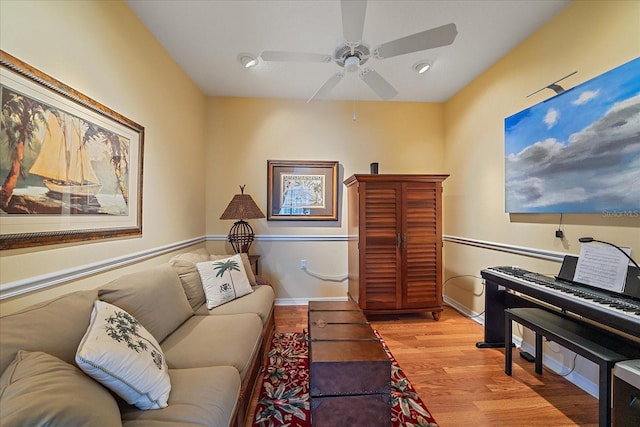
(63, 160)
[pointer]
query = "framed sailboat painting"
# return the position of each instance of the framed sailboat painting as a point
(70, 168)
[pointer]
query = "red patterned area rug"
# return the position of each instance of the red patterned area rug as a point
(284, 395)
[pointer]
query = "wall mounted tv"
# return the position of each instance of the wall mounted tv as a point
(579, 151)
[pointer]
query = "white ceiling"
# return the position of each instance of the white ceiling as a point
(205, 38)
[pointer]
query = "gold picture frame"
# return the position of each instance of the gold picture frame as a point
(70, 168)
(302, 190)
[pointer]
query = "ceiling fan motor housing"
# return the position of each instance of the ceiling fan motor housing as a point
(351, 61)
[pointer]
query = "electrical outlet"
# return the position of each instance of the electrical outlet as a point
(303, 264)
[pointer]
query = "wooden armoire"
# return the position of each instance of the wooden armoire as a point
(395, 243)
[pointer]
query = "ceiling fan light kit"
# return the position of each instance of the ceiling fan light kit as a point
(351, 64)
(352, 53)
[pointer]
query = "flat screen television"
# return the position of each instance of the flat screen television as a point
(579, 151)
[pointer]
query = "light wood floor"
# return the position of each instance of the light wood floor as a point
(463, 385)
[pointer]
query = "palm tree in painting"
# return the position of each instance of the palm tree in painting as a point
(223, 267)
(20, 120)
(119, 153)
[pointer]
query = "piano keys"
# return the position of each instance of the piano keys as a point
(617, 311)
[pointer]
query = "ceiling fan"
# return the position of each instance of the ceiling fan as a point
(353, 53)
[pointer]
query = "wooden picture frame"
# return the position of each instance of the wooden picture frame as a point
(302, 190)
(70, 168)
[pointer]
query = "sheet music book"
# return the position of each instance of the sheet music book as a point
(602, 266)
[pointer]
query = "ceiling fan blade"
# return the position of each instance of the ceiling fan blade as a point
(327, 86)
(429, 39)
(379, 85)
(280, 56)
(353, 12)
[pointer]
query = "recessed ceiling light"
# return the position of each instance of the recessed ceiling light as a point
(421, 67)
(247, 60)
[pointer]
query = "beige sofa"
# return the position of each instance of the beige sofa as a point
(214, 356)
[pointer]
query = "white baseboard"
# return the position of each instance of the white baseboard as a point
(573, 377)
(476, 317)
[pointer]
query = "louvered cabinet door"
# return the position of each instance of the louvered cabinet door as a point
(421, 244)
(395, 261)
(379, 250)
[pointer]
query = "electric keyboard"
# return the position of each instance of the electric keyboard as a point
(617, 311)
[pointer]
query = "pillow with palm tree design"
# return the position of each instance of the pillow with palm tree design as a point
(119, 353)
(223, 280)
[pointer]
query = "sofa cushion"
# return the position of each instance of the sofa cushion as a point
(38, 389)
(203, 341)
(260, 302)
(185, 266)
(223, 280)
(202, 397)
(121, 354)
(54, 327)
(154, 296)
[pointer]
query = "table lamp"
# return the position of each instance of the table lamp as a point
(241, 207)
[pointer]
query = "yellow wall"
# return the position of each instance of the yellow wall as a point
(101, 49)
(591, 37)
(588, 36)
(243, 133)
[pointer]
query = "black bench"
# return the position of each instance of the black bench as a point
(587, 340)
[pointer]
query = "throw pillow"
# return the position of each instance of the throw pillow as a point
(246, 263)
(223, 280)
(118, 352)
(40, 389)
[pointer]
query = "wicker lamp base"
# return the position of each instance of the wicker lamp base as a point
(241, 236)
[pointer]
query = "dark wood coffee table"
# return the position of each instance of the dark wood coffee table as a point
(350, 373)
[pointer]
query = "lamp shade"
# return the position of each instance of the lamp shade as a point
(242, 206)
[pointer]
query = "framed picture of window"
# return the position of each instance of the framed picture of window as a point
(302, 190)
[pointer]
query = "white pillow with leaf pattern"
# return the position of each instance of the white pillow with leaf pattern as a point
(118, 352)
(223, 280)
